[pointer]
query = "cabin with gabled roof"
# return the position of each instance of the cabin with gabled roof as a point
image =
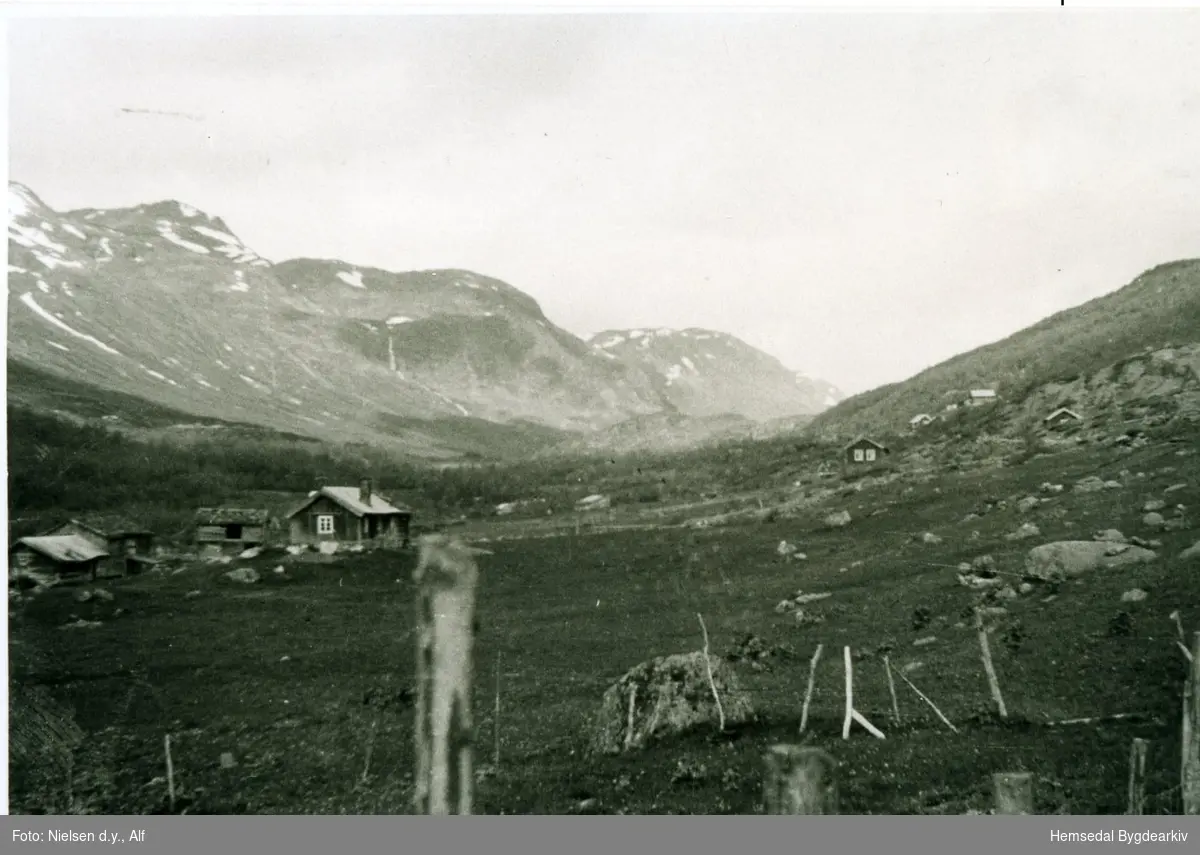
(351, 515)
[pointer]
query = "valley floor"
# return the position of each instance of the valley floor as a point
(300, 680)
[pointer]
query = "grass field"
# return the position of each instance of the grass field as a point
(303, 675)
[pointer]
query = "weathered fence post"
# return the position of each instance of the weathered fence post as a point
(1013, 792)
(446, 577)
(1191, 734)
(800, 780)
(812, 676)
(986, 652)
(887, 666)
(1137, 778)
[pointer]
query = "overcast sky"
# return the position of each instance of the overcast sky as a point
(860, 195)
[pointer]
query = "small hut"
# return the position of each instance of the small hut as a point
(228, 531)
(1062, 417)
(123, 539)
(864, 451)
(54, 556)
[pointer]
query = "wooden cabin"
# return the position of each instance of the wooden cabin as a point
(228, 531)
(125, 541)
(864, 452)
(55, 556)
(349, 515)
(1062, 417)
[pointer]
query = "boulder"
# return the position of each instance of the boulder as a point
(1028, 504)
(1068, 559)
(1154, 505)
(930, 537)
(1111, 535)
(1191, 552)
(1153, 520)
(1133, 595)
(837, 520)
(246, 575)
(1091, 484)
(1025, 532)
(252, 552)
(671, 694)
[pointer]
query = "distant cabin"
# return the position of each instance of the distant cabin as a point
(126, 541)
(920, 420)
(976, 397)
(1061, 418)
(349, 515)
(863, 451)
(228, 531)
(55, 556)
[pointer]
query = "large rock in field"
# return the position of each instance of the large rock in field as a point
(1067, 559)
(1191, 552)
(246, 575)
(838, 519)
(670, 694)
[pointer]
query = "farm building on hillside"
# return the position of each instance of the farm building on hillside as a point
(919, 421)
(222, 531)
(64, 554)
(1062, 417)
(349, 515)
(864, 450)
(976, 397)
(123, 539)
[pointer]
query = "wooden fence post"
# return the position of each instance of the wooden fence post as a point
(1137, 778)
(986, 652)
(446, 577)
(1013, 792)
(800, 780)
(1191, 734)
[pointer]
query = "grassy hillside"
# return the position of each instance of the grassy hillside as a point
(1160, 307)
(293, 675)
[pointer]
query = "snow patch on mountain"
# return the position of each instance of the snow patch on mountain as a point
(167, 230)
(354, 279)
(28, 299)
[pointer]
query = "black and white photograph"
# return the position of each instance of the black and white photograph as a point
(622, 411)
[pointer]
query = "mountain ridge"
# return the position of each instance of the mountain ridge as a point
(165, 301)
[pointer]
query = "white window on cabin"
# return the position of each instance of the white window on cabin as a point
(325, 524)
(870, 454)
(858, 455)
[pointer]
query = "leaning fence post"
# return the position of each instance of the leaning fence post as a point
(1191, 734)
(1013, 792)
(1137, 778)
(799, 780)
(446, 577)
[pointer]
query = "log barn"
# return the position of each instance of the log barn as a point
(349, 515)
(228, 531)
(127, 543)
(57, 556)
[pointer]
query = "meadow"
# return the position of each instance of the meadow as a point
(302, 680)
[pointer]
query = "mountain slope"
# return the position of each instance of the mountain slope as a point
(1159, 308)
(705, 373)
(165, 302)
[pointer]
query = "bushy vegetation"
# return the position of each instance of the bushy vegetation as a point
(58, 467)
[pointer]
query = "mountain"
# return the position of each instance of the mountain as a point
(1069, 354)
(164, 302)
(705, 373)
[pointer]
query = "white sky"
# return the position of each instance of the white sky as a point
(861, 195)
